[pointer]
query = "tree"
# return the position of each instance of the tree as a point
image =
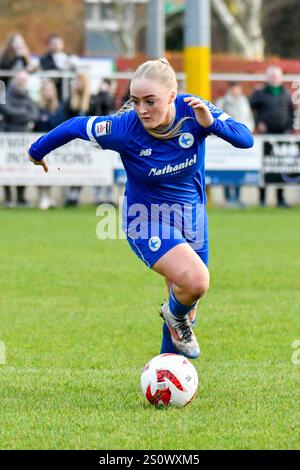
(242, 20)
(281, 27)
(129, 18)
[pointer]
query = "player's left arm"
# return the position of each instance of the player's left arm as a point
(216, 122)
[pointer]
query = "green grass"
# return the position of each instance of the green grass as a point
(79, 320)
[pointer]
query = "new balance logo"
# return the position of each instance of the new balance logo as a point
(145, 153)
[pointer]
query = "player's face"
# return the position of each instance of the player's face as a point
(152, 102)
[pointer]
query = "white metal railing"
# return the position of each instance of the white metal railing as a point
(249, 77)
(66, 76)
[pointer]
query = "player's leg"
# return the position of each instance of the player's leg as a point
(172, 257)
(167, 344)
(192, 313)
(188, 277)
(186, 272)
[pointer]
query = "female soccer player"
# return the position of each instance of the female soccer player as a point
(160, 136)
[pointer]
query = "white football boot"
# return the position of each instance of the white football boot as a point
(181, 331)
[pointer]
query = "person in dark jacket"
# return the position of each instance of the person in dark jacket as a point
(2, 102)
(20, 112)
(78, 104)
(56, 59)
(15, 56)
(103, 104)
(51, 114)
(51, 111)
(274, 114)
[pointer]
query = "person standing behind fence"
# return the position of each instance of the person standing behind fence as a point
(103, 104)
(56, 59)
(236, 105)
(78, 104)
(15, 56)
(51, 114)
(20, 113)
(274, 114)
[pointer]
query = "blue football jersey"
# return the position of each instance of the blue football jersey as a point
(158, 171)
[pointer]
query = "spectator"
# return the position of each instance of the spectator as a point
(20, 112)
(274, 114)
(77, 105)
(103, 104)
(51, 114)
(15, 55)
(2, 101)
(56, 59)
(236, 104)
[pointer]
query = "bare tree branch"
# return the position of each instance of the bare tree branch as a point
(242, 21)
(232, 26)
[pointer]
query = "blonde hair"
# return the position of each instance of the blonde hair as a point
(160, 71)
(80, 101)
(51, 103)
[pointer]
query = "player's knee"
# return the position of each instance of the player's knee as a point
(195, 283)
(199, 286)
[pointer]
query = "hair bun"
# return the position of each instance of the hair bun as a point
(163, 60)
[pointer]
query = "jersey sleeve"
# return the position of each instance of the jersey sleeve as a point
(234, 132)
(225, 127)
(216, 112)
(110, 132)
(107, 131)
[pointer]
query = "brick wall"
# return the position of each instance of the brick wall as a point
(35, 20)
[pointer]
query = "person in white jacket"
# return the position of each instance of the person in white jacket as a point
(236, 104)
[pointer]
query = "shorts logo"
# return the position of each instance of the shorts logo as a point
(186, 140)
(154, 243)
(103, 128)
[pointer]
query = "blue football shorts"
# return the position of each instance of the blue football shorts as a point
(154, 243)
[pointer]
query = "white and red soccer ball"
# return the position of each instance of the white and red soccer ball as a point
(169, 379)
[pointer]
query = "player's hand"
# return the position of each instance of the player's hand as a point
(42, 163)
(202, 113)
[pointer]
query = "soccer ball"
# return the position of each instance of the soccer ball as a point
(169, 379)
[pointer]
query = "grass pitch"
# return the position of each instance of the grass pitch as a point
(79, 319)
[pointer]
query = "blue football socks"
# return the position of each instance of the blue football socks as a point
(166, 344)
(177, 308)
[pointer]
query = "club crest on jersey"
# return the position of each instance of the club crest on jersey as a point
(186, 140)
(103, 128)
(154, 243)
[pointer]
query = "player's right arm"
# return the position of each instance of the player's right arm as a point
(107, 131)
